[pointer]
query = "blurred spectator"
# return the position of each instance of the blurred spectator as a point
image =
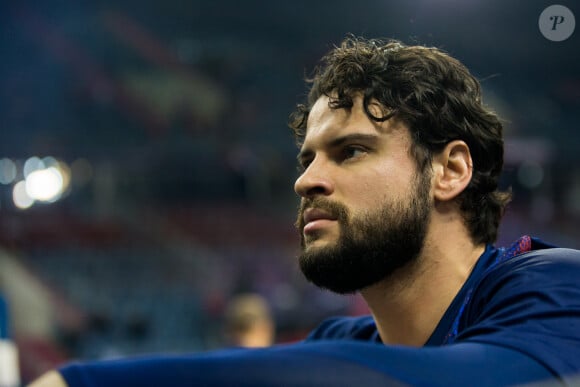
(248, 322)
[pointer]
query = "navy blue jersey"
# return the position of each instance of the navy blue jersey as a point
(516, 320)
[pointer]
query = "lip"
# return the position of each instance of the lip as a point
(314, 214)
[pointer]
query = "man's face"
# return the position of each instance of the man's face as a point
(364, 209)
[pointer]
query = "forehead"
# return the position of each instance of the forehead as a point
(325, 123)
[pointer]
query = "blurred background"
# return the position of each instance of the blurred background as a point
(146, 167)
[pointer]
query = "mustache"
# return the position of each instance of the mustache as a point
(333, 208)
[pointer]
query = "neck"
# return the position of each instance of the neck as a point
(408, 305)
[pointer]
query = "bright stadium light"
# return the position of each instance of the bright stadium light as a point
(21, 199)
(45, 185)
(7, 171)
(31, 165)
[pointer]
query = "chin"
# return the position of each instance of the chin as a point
(319, 243)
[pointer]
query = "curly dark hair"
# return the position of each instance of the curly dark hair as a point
(438, 100)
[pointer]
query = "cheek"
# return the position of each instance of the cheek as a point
(366, 191)
(390, 183)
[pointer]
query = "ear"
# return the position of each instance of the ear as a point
(453, 169)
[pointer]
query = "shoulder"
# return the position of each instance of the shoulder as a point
(550, 272)
(559, 265)
(345, 328)
(531, 303)
(554, 254)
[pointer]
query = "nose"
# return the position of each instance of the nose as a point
(314, 181)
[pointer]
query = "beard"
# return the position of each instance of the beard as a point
(370, 246)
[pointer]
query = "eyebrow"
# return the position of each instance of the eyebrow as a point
(336, 142)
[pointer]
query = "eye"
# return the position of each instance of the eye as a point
(353, 152)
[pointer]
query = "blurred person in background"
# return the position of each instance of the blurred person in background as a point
(248, 322)
(9, 369)
(399, 196)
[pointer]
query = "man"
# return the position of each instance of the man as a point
(400, 202)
